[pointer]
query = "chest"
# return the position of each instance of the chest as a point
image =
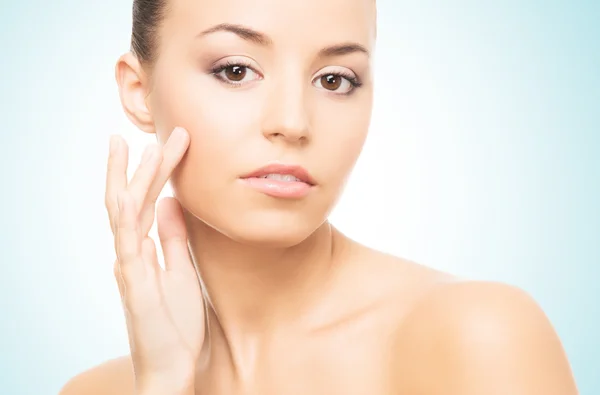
(353, 361)
(341, 366)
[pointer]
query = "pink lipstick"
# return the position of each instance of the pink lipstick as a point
(281, 181)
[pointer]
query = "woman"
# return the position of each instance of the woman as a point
(261, 109)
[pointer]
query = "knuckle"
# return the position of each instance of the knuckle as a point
(117, 270)
(118, 223)
(111, 167)
(126, 275)
(152, 197)
(112, 163)
(127, 257)
(110, 203)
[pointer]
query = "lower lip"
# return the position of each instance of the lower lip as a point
(279, 189)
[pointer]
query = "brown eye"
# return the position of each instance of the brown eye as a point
(235, 73)
(340, 83)
(331, 82)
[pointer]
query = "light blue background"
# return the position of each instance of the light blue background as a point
(487, 124)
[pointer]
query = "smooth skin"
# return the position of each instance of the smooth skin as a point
(286, 304)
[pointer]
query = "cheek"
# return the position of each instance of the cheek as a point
(221, 123)
(342, 138)
(207, 109)
(224, 127)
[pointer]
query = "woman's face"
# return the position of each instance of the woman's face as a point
(264, 82)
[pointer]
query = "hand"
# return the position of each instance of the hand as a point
(164, 309)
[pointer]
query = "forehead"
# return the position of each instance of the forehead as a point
(286, 22)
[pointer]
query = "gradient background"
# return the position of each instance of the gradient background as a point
(486, 137)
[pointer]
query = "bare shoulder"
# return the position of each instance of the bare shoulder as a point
(480, 337)
(114, 377)
(398, 272)
(389, 285)
(398, 281)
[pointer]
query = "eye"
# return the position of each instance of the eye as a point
(339, 83)
(235, 73)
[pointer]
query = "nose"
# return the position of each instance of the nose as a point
(286, 115)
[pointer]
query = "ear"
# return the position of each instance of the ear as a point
(134, 88)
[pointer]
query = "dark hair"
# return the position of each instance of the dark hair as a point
(147, 18)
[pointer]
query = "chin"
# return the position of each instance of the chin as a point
(251, 218)
(265, 228)
(270, 229)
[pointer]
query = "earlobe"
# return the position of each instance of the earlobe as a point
(133, 91)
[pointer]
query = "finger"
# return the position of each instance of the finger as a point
(145, 174)
(149, 254)
(173, 236)
(128, 241)
(173, 151)
(118, 277)
(116, 176)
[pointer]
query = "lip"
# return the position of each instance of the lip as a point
(277, 168)
(280, 189)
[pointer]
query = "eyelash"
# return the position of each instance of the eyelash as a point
(353, 80)
(222, 67)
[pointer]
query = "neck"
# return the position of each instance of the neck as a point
(254, 291)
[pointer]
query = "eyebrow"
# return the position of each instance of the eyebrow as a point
(243, 32)
(342, 49)
(264, 40)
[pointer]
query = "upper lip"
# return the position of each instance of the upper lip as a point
(278, 168)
